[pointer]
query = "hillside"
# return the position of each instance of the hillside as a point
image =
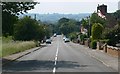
(52, 18)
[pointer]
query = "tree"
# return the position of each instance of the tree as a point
(85, 23)
(10, 10)
(96, 19)
(27, 29)
(97, 30)
(67, 26)
(113, 35)
(63, 20)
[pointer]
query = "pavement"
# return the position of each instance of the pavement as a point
(101, 56)
(61, 57)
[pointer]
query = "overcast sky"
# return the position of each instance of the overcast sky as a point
(72, 6)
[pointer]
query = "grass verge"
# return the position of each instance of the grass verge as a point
(13, 47)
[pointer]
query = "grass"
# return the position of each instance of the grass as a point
(10, 47)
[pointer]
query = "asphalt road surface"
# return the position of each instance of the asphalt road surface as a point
(57, 57)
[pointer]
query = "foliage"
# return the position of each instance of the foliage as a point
(82, 37)
(113, 35)
(97, 30)
(47, 31)
(67, 26)
(27, 29)
(8, 22)
(96, 19)
(93, 44)
(104, 41)
(73, 35)
(117, 15)
(63, 20)
(17, 7)
(9, 12)
(85, 23)
(7, 39)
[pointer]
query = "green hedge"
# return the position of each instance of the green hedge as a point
(94, 44)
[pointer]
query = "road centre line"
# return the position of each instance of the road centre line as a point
(56, 57)
(54, 69)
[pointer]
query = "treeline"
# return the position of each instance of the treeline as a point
(68, 27)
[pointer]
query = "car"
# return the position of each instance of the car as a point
(66, 40)
(55, 35)
(48, 41)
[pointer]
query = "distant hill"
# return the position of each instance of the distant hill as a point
(53, 18)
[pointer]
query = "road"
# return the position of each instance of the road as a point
(58, 57)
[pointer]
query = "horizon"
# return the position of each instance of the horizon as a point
(72, 7)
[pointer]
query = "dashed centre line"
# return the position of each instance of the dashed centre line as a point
(56, 57)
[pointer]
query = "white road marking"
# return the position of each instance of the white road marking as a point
(55, 62)
(54, 69)
(56, 57)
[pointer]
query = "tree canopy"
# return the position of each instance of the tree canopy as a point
(67, 26)
(96, 19)
(10, 10)
(26, 29)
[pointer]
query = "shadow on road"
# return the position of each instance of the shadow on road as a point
(37, 65)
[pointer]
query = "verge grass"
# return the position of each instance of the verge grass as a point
(12, 47)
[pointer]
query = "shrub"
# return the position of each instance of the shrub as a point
(82, 37)
(104, 41)
(113, 34)
(73, 36)
(94, 44)
(97, 31)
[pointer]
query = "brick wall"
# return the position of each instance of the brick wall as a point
(113, 51)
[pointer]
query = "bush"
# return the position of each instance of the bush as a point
(97, 31)
(82, 37)
(104, 41)
(94, 44)
(113, 34)
(73, 36)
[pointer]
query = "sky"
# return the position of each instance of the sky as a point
(72, 6)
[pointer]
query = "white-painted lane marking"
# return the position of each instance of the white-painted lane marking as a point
(55, 63)
(54, 69)
(56, 57)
